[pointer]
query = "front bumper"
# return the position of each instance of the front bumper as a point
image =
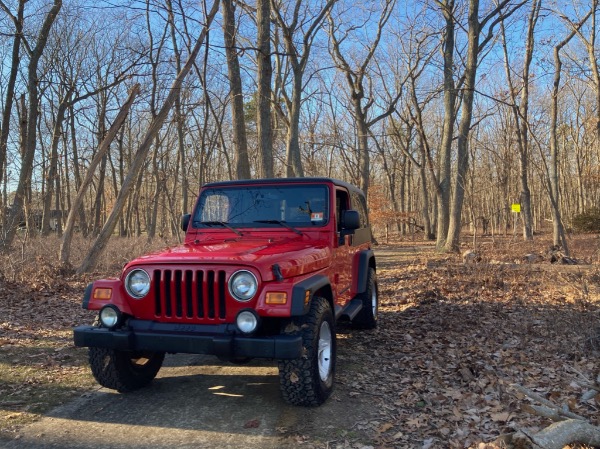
(141, 335)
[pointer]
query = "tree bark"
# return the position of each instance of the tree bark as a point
(562, 434)
(92, 256)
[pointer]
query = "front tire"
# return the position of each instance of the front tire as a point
(367, 317)
(124, 371)
(308, 380)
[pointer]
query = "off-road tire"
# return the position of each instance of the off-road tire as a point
(301, 381)
(124, 371)
(367, 317)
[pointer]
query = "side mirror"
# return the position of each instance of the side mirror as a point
(185, 221)
(350, 220)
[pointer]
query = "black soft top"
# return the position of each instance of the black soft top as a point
(337, 182)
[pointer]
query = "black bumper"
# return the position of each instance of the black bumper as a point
(146, 336)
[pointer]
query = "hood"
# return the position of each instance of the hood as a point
(294, 255)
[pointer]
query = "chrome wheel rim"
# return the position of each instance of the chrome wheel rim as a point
(374, 301)
(325, 348)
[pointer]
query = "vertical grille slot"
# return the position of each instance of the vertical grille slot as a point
(167, 285)
(211, 293)
(190, 294)
(189, 298)
(200, 293)
(157, 295)
(221, 294)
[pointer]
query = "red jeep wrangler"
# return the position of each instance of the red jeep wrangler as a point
(267, 268)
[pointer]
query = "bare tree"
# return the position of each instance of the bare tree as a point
(558, 231)
(91, 258)
(32, 122)
(65, 247)
(355, 77)
(298, 56)
(474, 47)
(10, 88)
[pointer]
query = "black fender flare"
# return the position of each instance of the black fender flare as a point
(87, 295)
(303, 292)
(366, 259)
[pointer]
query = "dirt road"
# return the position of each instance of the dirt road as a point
(195, 403)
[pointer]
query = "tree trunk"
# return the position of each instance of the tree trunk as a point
(265, 73)
(293, 160)
(10, 93)
(92, 256)
(83, 225)
(51, 177)
(179, 118)
(444, 185)
(240, 141)
(462, 164)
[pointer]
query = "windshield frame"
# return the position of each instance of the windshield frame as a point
(278, 194)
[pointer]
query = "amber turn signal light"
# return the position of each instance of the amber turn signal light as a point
(276, 298)
(102, 293)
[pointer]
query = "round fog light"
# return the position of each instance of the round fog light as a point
(110, 316)
(247, 321)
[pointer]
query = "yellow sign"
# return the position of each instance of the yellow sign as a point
(516, 207)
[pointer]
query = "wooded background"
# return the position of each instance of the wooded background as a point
(445, 112)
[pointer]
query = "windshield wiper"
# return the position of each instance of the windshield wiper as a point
(220, 223)
(282, 223)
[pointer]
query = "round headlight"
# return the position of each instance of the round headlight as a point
(110, 316)
(243, 285)
(137, 283)
(247, 321)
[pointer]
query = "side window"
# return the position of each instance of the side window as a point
(341, 204)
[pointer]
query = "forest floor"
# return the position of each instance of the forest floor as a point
(439, 371)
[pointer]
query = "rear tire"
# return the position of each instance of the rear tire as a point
(308, 380)
(367, 317)
(124, 371)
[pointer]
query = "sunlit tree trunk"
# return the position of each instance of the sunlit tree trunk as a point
(265, 74)
(240, 141)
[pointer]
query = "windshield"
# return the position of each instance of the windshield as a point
(263, 206)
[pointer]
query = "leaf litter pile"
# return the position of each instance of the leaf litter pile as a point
(455, 339)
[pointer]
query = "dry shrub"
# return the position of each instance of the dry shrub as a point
(35, 261)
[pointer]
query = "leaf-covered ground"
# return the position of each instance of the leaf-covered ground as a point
(452, 339)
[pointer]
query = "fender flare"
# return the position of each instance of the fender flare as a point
(87, 295)
(366, 259)
(303, 292)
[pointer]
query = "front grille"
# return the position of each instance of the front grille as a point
(190, 294)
